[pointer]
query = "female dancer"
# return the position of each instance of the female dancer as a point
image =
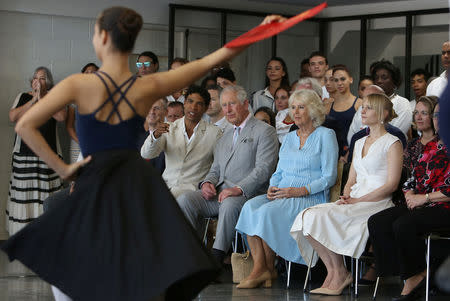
(120, 235)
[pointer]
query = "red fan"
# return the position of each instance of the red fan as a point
(265, 31)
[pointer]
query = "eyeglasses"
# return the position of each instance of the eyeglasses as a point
(146, 64)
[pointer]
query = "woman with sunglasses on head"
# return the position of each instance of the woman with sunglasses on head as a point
(120, 235)
(397, 233)
(276, 76)
(32, 180)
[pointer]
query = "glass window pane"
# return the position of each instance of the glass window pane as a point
(249, 66)
(428, 34)
(386, 40)
(197, 33)
(296, 44)
(343, 47)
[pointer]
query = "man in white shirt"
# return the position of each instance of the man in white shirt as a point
(215, 111)
(387, 77)
(318, 65)
(188, 144)
(437, 86)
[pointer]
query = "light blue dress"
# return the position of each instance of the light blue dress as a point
(313, 166)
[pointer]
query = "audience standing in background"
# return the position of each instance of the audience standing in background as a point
(74, 148)
(305, 172)
(304, 68)
(209, 80)
(179, 95)
(437, 86)
(419, 79)
(283, 120)
(318, 65)
(225, 77)
(244, 159)
(214, 110)
(345, 104)
(364, 82)
(330, 85)
(175, 110)
(89, 68)
(188, 144)
(266, 115)
(32, 181)
(147, 63)
(276, 76)
(388, 77)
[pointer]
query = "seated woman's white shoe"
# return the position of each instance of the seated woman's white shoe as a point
(265, 280)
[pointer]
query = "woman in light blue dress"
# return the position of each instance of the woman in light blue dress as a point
(306, 171)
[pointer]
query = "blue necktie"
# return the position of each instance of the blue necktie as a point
(237, 131)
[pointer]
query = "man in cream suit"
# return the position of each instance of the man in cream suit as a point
(244, 159)
(188, 144)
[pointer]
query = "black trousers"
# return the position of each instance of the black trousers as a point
(397, 238)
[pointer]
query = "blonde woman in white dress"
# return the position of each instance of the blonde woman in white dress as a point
(340, 228)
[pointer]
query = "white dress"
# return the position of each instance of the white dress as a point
(343, 228)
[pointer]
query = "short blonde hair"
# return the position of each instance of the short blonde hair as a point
(381, 103)
(313, 102)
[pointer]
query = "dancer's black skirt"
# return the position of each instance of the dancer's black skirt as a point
(119, 236)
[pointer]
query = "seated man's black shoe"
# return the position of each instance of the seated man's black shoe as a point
(415, 294)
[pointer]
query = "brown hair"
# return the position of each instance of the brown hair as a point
(430, 102)
(381, 103)
(123, 24)
(342, 68)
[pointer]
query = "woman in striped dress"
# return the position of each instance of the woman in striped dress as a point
(32, 181)
(306, 171)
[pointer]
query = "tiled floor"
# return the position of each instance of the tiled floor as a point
(15, 287)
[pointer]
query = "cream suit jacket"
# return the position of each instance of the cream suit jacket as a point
(186, 165)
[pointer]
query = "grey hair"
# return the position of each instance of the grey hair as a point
(48, 76)
(313, 102)
(314, 83)
(241, 94)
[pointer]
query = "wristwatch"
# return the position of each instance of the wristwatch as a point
(427, 197)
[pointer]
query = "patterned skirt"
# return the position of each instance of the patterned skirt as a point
(32, 181)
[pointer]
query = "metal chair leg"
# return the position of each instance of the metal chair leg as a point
(235, 242)
(288, 274)
(356, 277)
(308, 271)
(428, 267)
(376, 288)
(206, 231)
